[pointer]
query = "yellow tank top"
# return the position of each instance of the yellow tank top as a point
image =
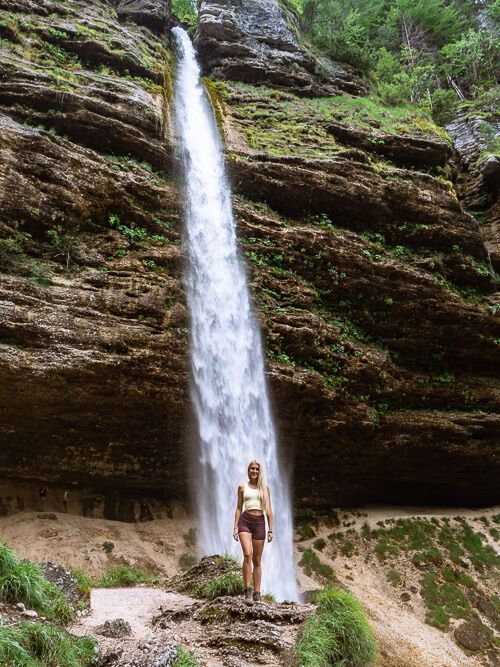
(251, 498)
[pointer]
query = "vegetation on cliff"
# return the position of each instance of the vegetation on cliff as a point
(433, 52)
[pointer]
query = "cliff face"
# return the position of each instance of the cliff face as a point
(369, 277)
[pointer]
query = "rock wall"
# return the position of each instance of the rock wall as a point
(259, 42)
(369, 277)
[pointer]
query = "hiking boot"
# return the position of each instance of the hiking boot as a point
(248, 596)
(256, 596)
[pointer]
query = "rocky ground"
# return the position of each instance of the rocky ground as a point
(427, 578)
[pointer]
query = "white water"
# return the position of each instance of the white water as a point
(229, 389)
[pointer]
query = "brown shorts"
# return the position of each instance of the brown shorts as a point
(255, 524)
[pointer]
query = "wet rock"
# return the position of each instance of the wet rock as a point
(259, 43)
(117, 628)
(154, 14)
(473, 636)
(403, 150)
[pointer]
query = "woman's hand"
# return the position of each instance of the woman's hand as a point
(269, 535)
(235, 535)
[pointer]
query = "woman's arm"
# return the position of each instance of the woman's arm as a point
(237, 514)
(269, 516)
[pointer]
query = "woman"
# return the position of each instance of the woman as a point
(250, 526)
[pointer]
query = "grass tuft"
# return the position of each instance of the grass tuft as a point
(22, 581)
(229, 584)
(126, 575)
(43, 645)
(338, 635)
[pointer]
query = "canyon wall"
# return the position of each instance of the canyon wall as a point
(370, 278)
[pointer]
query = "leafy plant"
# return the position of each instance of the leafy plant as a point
(65, 245)
(108, 547)
(185, 659)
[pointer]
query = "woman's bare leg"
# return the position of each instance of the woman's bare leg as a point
(258, 548)
(246, 545)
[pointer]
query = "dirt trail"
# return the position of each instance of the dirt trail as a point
(138, 606)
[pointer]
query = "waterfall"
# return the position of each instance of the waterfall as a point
(228, 389)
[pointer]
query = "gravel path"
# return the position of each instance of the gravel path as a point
(136, 605)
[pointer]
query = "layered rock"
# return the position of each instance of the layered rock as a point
(258, 42)
(368, 276)
(473, 136)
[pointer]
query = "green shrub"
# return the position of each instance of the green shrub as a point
(319, 544)
(338, 635)
(125, 575)
(229, 584)
(305, 530)
(108, 547)
(185, 659)
(311, 563)
(43, 645)
(22, 581)
(394, 577)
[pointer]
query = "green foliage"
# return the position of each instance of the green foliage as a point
(125, 575)
(473, 59)
(185, 659)
(338, 635)
(43, 645)
(22, 581)
(108, 546)
(133, 233)
(229, 584)
(393, 577)
(411, 49)
(319, 544)
(185, 10)
(85, 581)
(311, 563)
(443, 599)
(65, 245)
(304, 530)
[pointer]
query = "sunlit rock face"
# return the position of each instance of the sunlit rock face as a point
(368, 276)
(258, 42)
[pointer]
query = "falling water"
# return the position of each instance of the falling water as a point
(229, 389)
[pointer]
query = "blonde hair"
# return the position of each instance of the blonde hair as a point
(261, 483)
